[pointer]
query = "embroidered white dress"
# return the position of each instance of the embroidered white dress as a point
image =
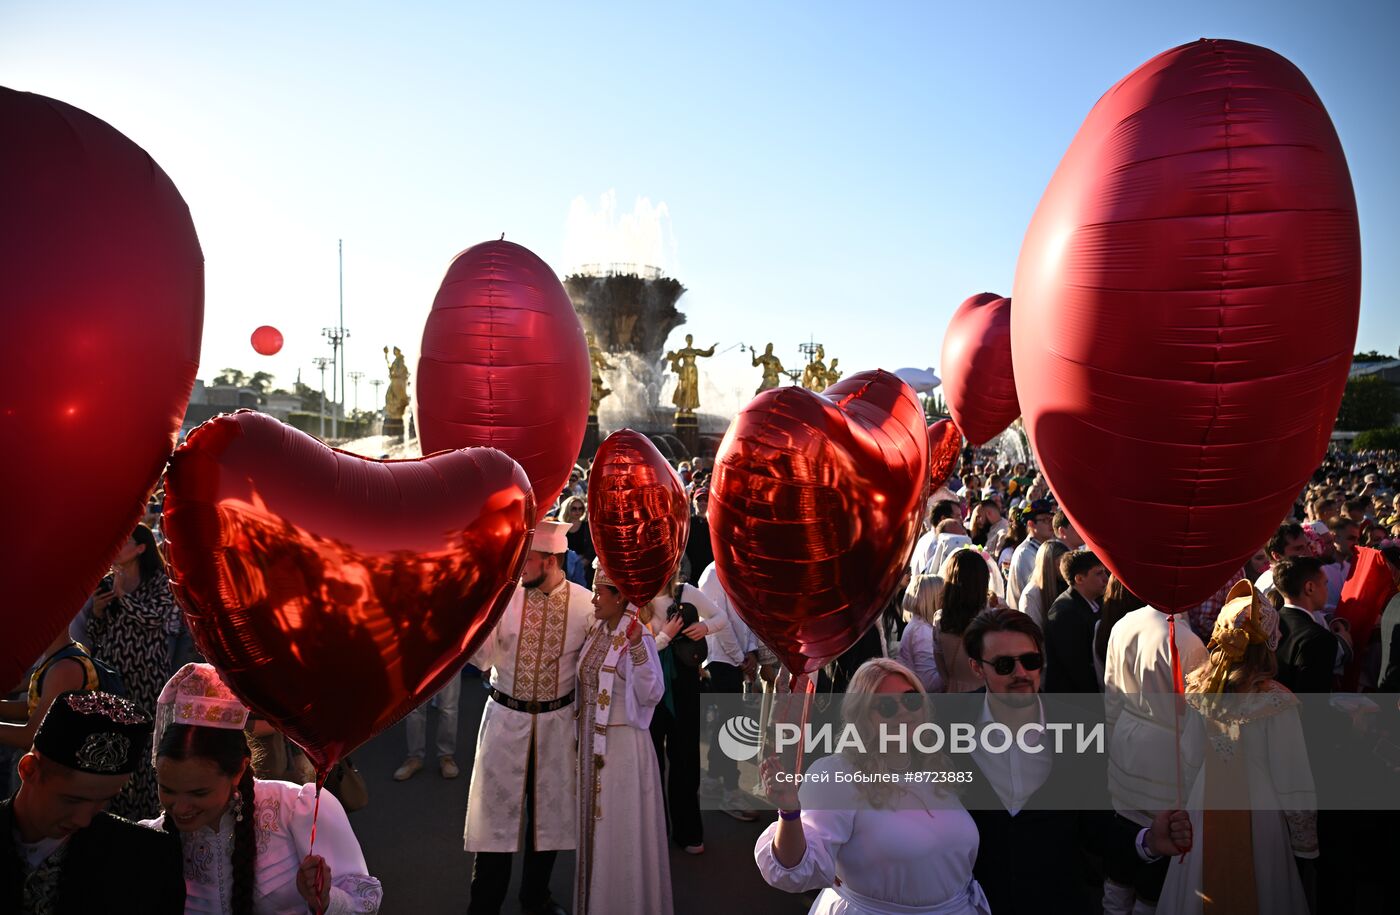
(1281, 798)
(908, 861)
(622, 849)
(533, 657)
(282, 826)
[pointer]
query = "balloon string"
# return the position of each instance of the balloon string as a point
(809, 689)
(1178, 687)
(315, 815)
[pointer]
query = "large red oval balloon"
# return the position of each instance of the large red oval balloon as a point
(944, 449)
(102, 300)
(505, 365)
(336, 593)
(267, 340)
(978, 382)
(1186, 306)
(814, 509)
(638, 515)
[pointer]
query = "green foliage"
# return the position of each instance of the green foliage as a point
(1387, 439)
(1371, 356)
(232, 377)
(1370, 402)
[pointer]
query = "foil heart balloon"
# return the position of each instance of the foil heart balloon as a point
(101, 310)
(978, 382)
(333, 592)
(944, 448)
(505, 365)
(814, 509)
(638, 515)
(1187, 298)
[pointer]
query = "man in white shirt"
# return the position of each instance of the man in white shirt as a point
(1064, 531)
(732, 660)
(927, 545)
(1039, 516)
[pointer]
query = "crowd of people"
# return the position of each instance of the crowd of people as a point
(125, 745)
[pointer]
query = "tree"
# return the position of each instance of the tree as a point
(1370, 402)
(232, 377)
(260, 382)
(1378, 440)
(1371, 356)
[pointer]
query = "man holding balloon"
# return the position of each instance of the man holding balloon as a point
(523, 774)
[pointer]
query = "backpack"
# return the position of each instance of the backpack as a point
(99, 674)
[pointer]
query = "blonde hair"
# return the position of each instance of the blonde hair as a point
(922, 597)
(857, 711)
(569, 503)
(1047, 575)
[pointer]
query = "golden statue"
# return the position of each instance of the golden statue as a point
(814, 375)
(396, 397)
(832, 376)
(600, 365)
(687, 396)
(772, 369)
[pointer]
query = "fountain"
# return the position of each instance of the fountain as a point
(630, 310)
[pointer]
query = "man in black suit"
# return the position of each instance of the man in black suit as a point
(1069, 626)
(1309, 655)
(1030, 855)
(60, 852)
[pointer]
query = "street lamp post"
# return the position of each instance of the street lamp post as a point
(321, 362)
(355, 377)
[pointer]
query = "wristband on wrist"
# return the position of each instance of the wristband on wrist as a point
(790, 814)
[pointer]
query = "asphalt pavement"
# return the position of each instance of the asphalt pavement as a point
(411, 833)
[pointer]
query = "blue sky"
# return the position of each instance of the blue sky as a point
(848, 172)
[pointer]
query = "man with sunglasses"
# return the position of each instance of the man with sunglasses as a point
(1031, 854)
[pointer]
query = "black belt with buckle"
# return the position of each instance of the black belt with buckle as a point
(532, 708)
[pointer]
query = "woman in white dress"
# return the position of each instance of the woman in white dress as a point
(872, 848)
(622, 864)
(1046, 582)
(916, 648)
(1245, 749)
(246, 841)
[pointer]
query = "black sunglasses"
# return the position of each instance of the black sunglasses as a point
(886, 706)
(1005, 665)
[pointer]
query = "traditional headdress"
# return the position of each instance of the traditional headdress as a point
(551, 537)
(1244, 620)
(197, 696)
(94, 732)
(600, 575)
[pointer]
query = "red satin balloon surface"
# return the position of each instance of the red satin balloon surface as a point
(1186, 306)
(102, 299)
(505, 365)
(638, 515)
(944, 449)
(814, 510)
(333, 592)
(267, 340)
(978, 382)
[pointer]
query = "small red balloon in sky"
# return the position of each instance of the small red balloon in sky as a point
(267, 340)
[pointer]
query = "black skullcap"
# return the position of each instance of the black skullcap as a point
(94, 732)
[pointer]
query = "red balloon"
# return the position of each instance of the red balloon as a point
(1186, 306)
(336, 593)
(505, 365)
(977, 379)
(944, 449)
(267, 340)
(814, 509)
(103, 304)
(638, 515)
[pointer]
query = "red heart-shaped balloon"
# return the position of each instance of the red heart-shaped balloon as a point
(103, 304)
(1186, 305)
(333, 592)
(978, 382)
(814, 509)
(505, 365)
(944, 449)
(638, 515)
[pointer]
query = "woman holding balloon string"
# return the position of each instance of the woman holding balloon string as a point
(872, 846)
(246, 841)
(622, 865)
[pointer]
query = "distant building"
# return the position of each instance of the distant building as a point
(208, 401)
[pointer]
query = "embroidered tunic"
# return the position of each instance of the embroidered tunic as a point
(533, 657)
(282, 826)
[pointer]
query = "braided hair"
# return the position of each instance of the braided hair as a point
(227, 749)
